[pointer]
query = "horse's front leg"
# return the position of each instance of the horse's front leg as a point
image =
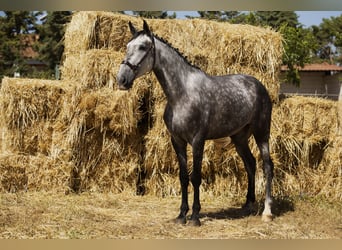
(180, 149)
(196, 178)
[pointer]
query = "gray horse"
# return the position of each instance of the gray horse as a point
(201, 107)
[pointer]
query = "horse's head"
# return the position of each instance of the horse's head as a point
(139, 57)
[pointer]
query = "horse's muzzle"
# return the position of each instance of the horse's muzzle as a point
(125, 77)
(123, 87)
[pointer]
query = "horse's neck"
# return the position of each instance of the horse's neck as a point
(171, 70)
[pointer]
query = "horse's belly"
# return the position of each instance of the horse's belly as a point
(226, 126)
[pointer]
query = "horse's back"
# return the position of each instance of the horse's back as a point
(239, 100)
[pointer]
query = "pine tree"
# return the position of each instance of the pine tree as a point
(51, 34)
(329, 37)
(154, 14)
(13, 26)
(276, 19)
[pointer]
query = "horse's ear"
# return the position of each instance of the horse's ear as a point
(146, 28)
(132, 28)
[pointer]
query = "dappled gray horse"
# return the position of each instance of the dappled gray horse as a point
(202, 107)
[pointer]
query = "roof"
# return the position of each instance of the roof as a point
(28, 40)
(34, 62)
(317, 67)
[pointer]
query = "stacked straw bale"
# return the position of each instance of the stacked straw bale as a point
(93, 69)
(29, 109)
(34, 173)
(100, 135)
(95, 137)
(94, 51)
(302, 127)
(306, 146)
(218, 48)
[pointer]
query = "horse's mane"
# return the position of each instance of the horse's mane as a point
(176, 50)
(185, 59)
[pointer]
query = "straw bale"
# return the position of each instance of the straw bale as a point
(301, 128)
(102, 160)
(305, 142)
(306, 118)
(92, 68)
(236, 47)
(100, 134)
(96, 30)
(29, 108)
(329, 177)
(32, 173)
(25, 101)
(111, 164)
(118, 111)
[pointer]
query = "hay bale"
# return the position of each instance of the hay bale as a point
(33, 173)
(301, 127)
(100, 134)
(29, 108)
(328, 179)
(96, 30)
(306, 118)
(237, 48)
(304, 140)
(92, 69)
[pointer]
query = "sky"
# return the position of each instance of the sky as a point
(307, 18)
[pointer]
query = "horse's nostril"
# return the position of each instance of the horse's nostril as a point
(121, 79)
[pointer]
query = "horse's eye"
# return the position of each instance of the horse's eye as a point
(142, 47)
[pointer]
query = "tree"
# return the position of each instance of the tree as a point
(329, 37)
(13, 25)
(154, 14)
(51, 33)
(299, 44)
(211, 15)
(229, 16)
(276, 19)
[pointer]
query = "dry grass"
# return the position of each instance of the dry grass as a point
(125, 216)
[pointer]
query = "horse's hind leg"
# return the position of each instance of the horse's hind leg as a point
(263, 145)
(240, 141)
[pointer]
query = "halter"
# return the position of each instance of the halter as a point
(135, 67)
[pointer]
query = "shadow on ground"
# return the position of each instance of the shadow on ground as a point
(281, 205)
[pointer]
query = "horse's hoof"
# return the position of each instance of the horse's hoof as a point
(180, 220)
(249, 208)
(267, 217)
(195, 222)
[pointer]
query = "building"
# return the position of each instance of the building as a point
(322, 80)
(30, 54)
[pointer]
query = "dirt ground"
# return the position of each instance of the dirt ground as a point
(43, 215)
